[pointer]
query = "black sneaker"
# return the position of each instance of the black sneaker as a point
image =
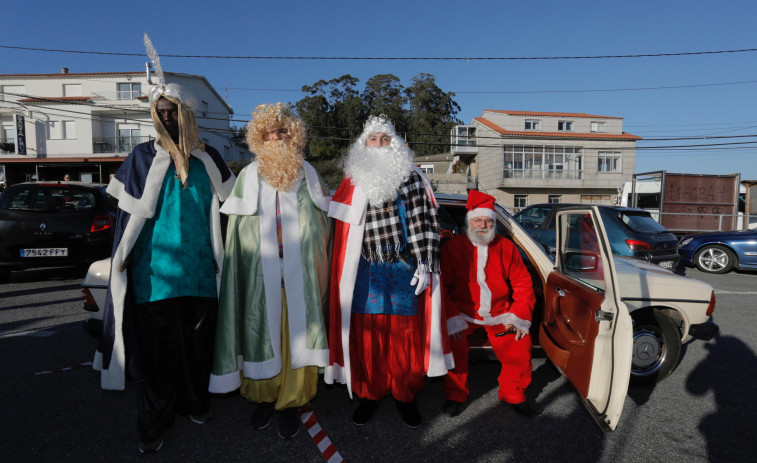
(262, 416)
(527, 409)
(202, 418)
(409, 413)
(151, 442)
(452, 408)
(289, 422)
(364, 412)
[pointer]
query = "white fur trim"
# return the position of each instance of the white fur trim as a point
(437, 362)
(336, 373)
(248, 203)
(144, 206)
(456, 324)
(222, 189)
(353, 213)
(485, 294)
(481, 212)
(507, 318)
(224, 383)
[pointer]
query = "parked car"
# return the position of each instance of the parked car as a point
(601, 320)
(720, 252)
(53, 224)
(93, 290)
(632, 232)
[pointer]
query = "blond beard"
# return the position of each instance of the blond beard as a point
(279, 164)
(379, 172)
(479, 239)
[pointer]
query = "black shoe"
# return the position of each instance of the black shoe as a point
(452, 408)
(289, 422)
(526, 409)
(364, 412)
(262, 416)
(409, 413)
(202, 418)
(151, 442)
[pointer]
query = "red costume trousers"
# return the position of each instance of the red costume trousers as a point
(386, 356)
(515, 357)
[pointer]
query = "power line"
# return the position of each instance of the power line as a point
(403, 58)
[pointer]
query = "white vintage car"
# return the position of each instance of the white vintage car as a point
(601, 320)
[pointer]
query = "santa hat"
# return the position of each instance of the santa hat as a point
(480, 205)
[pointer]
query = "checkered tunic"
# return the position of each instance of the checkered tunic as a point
(384, 240)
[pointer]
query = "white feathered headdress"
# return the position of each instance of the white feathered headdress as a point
(175, 91)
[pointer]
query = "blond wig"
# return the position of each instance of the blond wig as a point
(269, 117)
(189, 137)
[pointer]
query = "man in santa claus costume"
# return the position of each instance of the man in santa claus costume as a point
(487, 286)
(274, 288)
(385, 321)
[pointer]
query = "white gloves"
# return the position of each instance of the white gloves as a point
(421, 281)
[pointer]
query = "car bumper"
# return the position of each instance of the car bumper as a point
(704, 331)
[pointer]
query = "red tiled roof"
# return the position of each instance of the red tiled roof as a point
(56, 99)
(539, 134)
(550, 114)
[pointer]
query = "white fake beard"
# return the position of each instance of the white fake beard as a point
(479, 239)
(379, 172)
(279, 164)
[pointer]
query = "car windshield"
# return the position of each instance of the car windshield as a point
(641, 223)
(61, 199)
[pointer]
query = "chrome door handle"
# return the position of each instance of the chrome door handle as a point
(560, 292)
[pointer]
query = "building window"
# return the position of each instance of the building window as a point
(565, 126)
(609, 161)
(543, 162)
(554, 199)
(61, 130)
(463, 139)
(597, 199)
(72, 90)
(129, 91)
(533, 124)
(599, 127)
(427, 168)
(520, 201)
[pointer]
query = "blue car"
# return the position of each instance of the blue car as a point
(720, 252)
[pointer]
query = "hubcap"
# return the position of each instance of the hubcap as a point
(713, 259)
(647, 352)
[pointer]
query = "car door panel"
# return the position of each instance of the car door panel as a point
(586, 330)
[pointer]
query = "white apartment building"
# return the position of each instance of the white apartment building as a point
(529, 157)
(85, 124)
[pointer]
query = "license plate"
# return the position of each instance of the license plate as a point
(45, 252)
(666, 264)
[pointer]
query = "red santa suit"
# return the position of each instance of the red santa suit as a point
(432, 350)
(489, 286)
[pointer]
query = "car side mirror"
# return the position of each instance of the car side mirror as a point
(580, 261)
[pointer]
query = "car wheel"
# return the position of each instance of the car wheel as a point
(656, 347)
(715, 259)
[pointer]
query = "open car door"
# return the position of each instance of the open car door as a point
(587, 331)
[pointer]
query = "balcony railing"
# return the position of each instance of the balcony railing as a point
(7, 145)
(118, 95)
(542, 174)
(117, 144)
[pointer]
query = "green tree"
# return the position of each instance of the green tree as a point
(384, 94)
(432, 115)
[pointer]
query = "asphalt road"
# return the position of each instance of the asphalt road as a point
(704, 411)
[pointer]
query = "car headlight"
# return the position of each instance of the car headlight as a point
(684, 242)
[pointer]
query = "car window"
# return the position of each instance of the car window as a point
(581, 258)
(58, 199)
(532, 217)
(641, 223)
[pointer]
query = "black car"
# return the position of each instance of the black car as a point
(51, 224)
(632, 232)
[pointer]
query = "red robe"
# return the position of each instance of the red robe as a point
(348, 207)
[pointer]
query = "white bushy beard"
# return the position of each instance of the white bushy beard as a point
(479, 238)
(379, 172)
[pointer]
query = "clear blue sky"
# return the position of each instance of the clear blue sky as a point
(443, 29)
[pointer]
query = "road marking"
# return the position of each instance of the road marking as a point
(34, 333)
(63, 369)
(320, 438)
